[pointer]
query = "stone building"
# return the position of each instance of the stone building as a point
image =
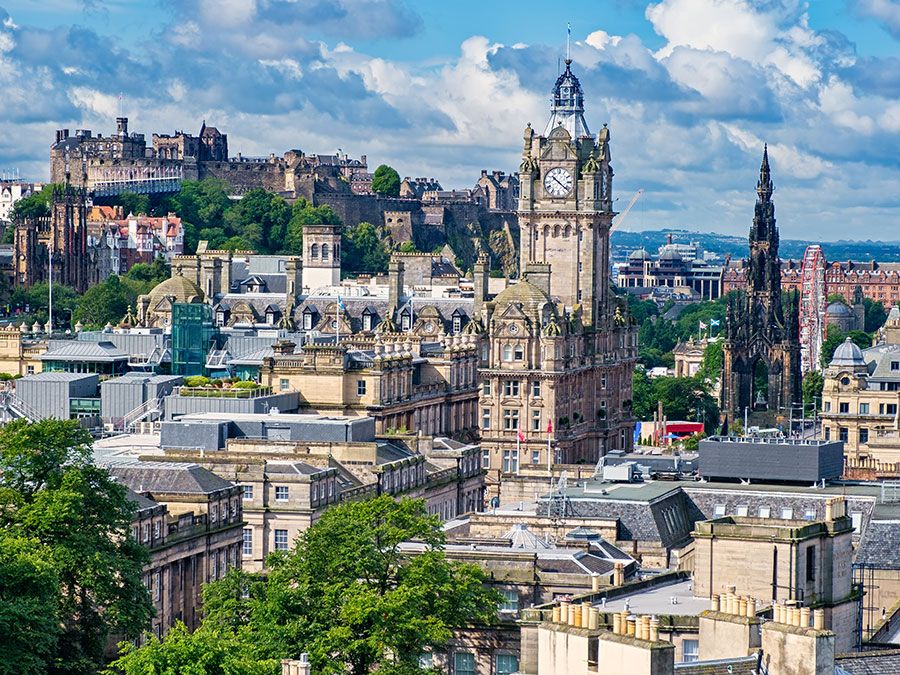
(191, 521)
(500, 189)
(762, 340)
(321, 256)
(557, 349)
(61, 237)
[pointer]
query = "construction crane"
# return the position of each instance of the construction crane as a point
(621, 217)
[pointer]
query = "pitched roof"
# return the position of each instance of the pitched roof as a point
(167, 477)
(880, 545)
(82, 350)
(871, 663)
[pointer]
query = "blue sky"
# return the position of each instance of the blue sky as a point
(690, 88)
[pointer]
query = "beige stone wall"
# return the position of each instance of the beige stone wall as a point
(791, 650)
(725, 636)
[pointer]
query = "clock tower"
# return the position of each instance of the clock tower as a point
(565, 203)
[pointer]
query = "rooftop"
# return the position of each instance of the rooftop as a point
(676, 598)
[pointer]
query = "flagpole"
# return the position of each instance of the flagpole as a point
(518, 447)
(337, 323)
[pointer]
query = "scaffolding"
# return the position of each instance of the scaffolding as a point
(812, 308)
(193, 335)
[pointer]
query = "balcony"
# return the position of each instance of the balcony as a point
(221, 392)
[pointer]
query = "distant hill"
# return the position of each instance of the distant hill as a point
(724, 244)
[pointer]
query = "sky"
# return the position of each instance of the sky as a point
(691, 90)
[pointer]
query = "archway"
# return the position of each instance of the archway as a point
(759, 391)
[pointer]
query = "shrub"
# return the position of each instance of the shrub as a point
(196, 381)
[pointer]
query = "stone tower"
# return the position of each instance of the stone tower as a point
(321, 256)
(557, 351)
(565, 203)
(762, 340)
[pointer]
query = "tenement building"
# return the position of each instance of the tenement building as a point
(761, 373)
(557, 347)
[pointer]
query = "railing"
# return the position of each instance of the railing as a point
(18, 407)
(217, 392)
(143, 411)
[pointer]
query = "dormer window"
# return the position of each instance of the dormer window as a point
(307, 319)
(405, 321)
(367, 321)
(457, 324)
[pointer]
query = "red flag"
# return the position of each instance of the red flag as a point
(521, 435)
(549, 426)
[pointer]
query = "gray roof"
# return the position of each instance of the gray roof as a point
(872, 663)
(848, 353)
(77, 350)
(140, 501)
(740, 665)
(521, 537)
(880, 545)
(167, 477)
(57, 377)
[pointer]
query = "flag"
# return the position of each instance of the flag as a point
(341, 304)
(703, 325)
(568, 29)
(520, 435)
(713, 322)
(549, 426)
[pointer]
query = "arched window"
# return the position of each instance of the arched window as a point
(507, 353)
(314, 252)
(324, 251)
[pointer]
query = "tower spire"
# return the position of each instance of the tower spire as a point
(568, 40)
(764, 187)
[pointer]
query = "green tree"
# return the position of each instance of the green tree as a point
(259, 218)
(206, 651)
(364, 250)
(304, 213)
(835, 297)
(28, 589)
(35, 302)
(36, 204)
(683, 398)
(51, 492)
(876, 315)
(346, 594)
(713, 361)
(107, 302)
(134, 204)
(143, 277)
(812, 385)
(200, 205)
(407, 247)
(386, 181)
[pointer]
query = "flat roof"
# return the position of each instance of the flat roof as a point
(57, 376)
(676, 598)
(276, 417)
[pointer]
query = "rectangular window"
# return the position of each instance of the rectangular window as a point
(603, 381)
(247, 495)
(509, 601)
(719, 511)
(156, 529)
(741, 511)
(281, 493)
(844, 408)
(843, 435)
(535, 456)
(248, 541)
(146, 532)
(536, 389)
(863, 408)
(457, 324)
(213, 513)
(827, 433)
(519, 353)
(895, 365)
(157, 586)
(511, 388)
(863, 435)
(809, 514)
(485, 387)
(284, 384)
(787, 513)
(464, 663)
(281, 540)
(510, 461)
(827, 406)
(485, 459)
(535, 420)
(367, 322)
(360, 387)
(508, 663)
(856, 520)
(511, 420)
(29, 370)
(764, 512)
(811, 564)
(690, 651)
(485, 418)
(891, 408)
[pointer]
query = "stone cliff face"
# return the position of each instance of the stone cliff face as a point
(465, 227)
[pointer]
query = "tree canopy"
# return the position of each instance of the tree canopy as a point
(386, 181)
(683, 398)
(346, 594)
(365, 251)
(70, 571)
(834, 337)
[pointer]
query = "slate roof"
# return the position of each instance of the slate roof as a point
(83, 351)
(167, 477)
(140, 501)
(880, 546)
(287, 468)
(872, 663)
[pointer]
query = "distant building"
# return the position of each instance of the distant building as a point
(671, 270)
(12, 191)
(501, 190)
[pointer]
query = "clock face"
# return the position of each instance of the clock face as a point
(558, 182)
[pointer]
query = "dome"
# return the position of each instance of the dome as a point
(639, 254)
(848, 354)
(673, 256)
(838, 309)
(530, 296)
(177, 287)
